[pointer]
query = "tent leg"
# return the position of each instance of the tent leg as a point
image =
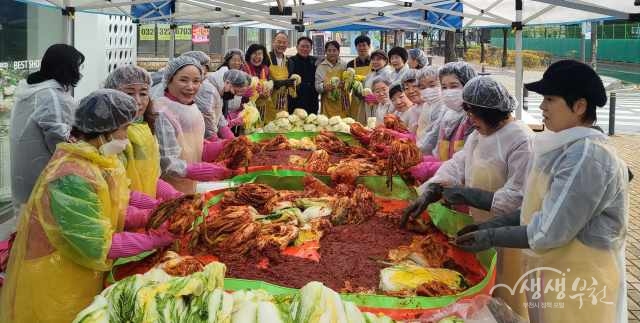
(172, 41)
(505, 31)
(594, 44)
(68, 14)
(519, 66)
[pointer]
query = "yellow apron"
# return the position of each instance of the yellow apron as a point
(48, 280)
(584, 262)
(279, 97)
(358, 107)
(142, 159)
(332, 108)
(486, 176)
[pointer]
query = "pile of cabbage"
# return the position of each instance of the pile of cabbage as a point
(200, 297)
(300, 121)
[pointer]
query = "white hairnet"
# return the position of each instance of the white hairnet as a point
(105, 110)
(237, 77)
(176, 64)
(125, 75)
(381, 79)
(418, 55)
(427, 71)
(200, 56)
(462, 70)
(409, 76)
(485, 92)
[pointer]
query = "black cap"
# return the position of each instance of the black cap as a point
(381, 53)
(571, 78)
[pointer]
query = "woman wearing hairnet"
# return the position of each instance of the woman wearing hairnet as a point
(455, 125)
(71, 228)
(41, 118)
(179, 127)
(234, 83)
(417, 59)
(233, 60)
(575, 208)
(432, 111)
(142, 155)
(488, 174)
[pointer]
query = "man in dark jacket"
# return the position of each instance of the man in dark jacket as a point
(304, 65)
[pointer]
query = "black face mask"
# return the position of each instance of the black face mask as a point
(228, 96)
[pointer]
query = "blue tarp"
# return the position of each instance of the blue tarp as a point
(153, 10)
(435, 18)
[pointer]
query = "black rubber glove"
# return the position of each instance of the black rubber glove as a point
(433, 194)
(473, 197)
(505, 237)
(507, 220)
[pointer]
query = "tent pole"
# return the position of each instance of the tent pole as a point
(519, 67)
(69, 24)
(172, 40)
(594, 44)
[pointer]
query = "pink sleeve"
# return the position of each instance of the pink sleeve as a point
(126, 244)
(142, 200)
(226, 133)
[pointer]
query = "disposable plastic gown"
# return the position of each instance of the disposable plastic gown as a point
(385, 71)
(209, 103)
(41, 118)
(233, 105)
(382, 110)
(59, 257)
(410, 117)
(576, 211)
(396, 76)
(499, 159)
(429, 126)
(142, 158)
(218, 118)
(180, 133)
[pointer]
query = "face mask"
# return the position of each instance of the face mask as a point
(431, 94)
(227, 96)
(453, 99)
(114, 147)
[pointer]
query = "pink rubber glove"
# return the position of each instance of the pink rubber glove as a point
(126, 244)
(401, 135)
(423, 171)
(249, 92)
(430, 158)
(237, 121)
(226, 133)
(166, 191)
(205, 172)
(136, 218)
(142, 200)
(371, 99)
(211, 149)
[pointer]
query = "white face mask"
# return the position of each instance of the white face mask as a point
(432, 94)
(114, 147)
(453, 99)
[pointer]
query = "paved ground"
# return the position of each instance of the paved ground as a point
(628, 147)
